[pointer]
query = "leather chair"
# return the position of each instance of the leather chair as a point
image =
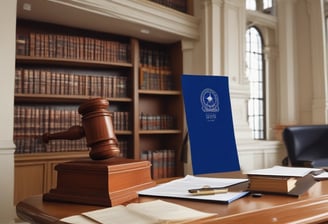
(307, 145)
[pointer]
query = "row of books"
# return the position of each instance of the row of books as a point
(35, 120)
(121, 120)
(156, 122)
(154, 57)
(163, 162)
(41, 81)
(155, 78)
(49, 45)
(123, 144)
(34, 144)
(31, 120)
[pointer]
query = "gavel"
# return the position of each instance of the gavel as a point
(97, 127)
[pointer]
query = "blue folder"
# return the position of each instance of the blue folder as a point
(210, 125)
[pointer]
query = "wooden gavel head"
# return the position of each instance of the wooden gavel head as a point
(97, 127)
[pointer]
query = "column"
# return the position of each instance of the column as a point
(318, 59)
(288, 101)
(7, 77)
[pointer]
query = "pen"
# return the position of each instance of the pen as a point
(208, 191)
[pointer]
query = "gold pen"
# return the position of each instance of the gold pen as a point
(208, 191)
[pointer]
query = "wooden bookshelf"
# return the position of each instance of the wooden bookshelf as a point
(50, 87)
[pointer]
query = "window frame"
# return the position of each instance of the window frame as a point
(258, 123)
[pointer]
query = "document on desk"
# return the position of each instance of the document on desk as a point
(180, 189)
(285, 171)
(151, 212)
(321, 176)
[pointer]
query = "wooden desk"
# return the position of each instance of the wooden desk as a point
(312, 207)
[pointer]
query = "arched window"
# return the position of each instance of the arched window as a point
(267, 4)
(251, 5)
(255, 74)
(260, 5)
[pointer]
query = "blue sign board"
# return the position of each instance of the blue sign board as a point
(210, 125)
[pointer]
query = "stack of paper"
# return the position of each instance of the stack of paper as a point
(285, 171)
(179, 188)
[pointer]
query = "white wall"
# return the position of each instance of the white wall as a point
(302, 74)
(7, 75)
(220, 51)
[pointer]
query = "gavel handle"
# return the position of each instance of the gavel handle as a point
(73, 133)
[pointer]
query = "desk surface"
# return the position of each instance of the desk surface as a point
(311, 207)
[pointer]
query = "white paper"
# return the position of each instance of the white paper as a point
(179, 188)
(284, 171)
(151, 212)
(78, 219)
(321, 176)
(167, 211)
(117, 215)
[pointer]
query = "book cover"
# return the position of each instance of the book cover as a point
(272, 184)
(292, 181)
(210, 124)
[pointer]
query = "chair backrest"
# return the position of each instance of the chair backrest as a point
(306, 144)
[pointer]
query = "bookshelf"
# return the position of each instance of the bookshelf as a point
(59, 67)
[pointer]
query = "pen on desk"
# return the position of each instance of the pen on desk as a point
(208, 191)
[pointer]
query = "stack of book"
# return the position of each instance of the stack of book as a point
(280, 179)
(272, 184)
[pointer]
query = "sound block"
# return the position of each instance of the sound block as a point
(107, 182)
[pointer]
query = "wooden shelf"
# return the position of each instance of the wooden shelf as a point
(70, 62)
(47, 98)
(159, 132)
(46, 156)
(160, 92)
(123, 132)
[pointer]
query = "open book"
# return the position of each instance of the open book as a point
(151, 212)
